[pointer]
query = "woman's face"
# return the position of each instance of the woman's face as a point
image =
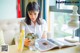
(33, 15)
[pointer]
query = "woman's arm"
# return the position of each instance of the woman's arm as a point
(44, 29)
(44, 35)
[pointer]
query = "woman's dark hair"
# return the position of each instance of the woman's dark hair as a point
(32, 6)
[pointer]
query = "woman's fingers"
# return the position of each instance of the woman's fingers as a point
(27, 42)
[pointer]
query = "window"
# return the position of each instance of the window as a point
(63, 6)
(59, 18)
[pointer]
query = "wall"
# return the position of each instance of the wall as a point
(8, 9)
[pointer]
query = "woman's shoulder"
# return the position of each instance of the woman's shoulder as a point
(23, 22)
(43, 21)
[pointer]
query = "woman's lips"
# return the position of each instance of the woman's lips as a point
(33, 19)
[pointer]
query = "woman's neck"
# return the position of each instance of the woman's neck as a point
(34, 22)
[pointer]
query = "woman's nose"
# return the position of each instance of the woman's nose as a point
(33, 16)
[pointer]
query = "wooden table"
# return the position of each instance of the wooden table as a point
(74, 49)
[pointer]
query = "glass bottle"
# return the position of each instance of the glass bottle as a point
(21, 39)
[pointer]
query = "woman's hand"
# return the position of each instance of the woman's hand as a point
(27, 42)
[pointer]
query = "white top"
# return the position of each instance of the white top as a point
(37, 29)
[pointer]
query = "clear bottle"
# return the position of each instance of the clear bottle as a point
(21, 39)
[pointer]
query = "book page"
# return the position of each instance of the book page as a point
(61, 43)
(66, 43)
(44, 45)
(56, 42)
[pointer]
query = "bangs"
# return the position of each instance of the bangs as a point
(32, 7)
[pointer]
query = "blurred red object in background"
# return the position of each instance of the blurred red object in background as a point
(19, 13)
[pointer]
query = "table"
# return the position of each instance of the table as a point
(74, 49)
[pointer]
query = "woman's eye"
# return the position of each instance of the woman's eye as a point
(30, 13)
(34, 13)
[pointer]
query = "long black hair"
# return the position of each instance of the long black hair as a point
(33, 6)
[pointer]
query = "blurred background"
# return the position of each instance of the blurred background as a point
(56, 14)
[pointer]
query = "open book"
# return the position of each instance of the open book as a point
(44, 45)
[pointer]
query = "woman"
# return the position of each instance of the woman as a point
(33, 22)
